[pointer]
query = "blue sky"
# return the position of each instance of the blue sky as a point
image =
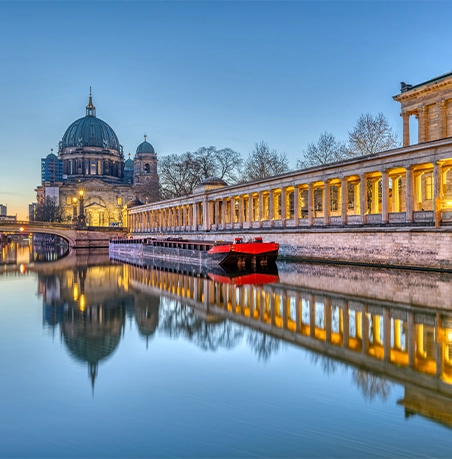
(192, 74)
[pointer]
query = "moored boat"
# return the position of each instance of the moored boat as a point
(254, 252)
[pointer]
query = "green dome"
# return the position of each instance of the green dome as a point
(145, 147)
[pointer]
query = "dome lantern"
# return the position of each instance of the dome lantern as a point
(90, 108)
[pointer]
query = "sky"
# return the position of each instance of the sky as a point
(193, 74)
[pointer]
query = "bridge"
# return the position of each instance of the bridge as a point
(88, 237)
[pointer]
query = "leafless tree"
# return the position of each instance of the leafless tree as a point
(176, 174)
(178, 320)
(179, 174)
(372, 387)
(263, 162)
(49, 211)
(326, 150)
(263, 345)
(371, 135)
(229, 165)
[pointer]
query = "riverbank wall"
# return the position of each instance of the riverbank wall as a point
(404, 247)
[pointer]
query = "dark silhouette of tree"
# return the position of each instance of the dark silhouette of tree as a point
(326, 150)
(180, 174)
(329, 366)
(263, 163)
(371, 135)
(372, 387)
(49, 210)
(263, 345)
(177, 321)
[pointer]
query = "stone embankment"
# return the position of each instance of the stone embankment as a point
(420, 248)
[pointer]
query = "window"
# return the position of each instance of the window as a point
(147, 168)
(119, 200)
(68, 200)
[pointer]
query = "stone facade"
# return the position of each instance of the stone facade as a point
(431, 103)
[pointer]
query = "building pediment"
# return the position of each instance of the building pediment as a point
(95, 204)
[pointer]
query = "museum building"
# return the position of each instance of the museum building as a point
(90, 166)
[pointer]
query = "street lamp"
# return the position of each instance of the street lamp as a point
(81, 217)
(74, 210)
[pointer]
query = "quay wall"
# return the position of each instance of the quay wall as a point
(421, 248)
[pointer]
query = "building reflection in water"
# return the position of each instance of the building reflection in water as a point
(382, 342)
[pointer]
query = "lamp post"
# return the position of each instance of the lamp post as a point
(81, 217)
(74, 210)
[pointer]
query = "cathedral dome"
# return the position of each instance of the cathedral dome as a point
(145, 147)
(90, 131)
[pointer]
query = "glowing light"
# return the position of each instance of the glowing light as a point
(74, 200)
(75, 291)
(23, 269)
(80, 193)
(82, 302)
(22, 229)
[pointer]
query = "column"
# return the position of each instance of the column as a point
(384, 196)
(224, 208)
(365, 329)
(326, 202)
(217, 213)
(346, 324)
(195, 216)
(344, 199)
(250, 209)
(328, 319)
(409, 206)
(437, 195)
(310, 204)
(422, 124)
(232, 209)
(406, 128)
(297, 312)
(296, 205)
(261, 208)
(271, 205)
(206, 217)
(363, 198)
(283, 206)
(312, 316)
(241, 211)
(386, 334)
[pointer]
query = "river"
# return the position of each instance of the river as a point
(105, 359)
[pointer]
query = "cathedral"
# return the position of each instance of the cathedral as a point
(90, 167)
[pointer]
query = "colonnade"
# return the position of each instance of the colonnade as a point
(369, 191)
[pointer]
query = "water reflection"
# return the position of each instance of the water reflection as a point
(380, 342)
(18, 252)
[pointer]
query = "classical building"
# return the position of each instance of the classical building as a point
(89, 176)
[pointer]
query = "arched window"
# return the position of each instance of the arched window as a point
(147, 168)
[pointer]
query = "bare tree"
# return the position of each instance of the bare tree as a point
(179, 174)
(371, 135)
(325, 151)
(263, 162)
(229, 165)
(49, 211)
(372, 387)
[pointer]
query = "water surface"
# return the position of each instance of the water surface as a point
(103, 359)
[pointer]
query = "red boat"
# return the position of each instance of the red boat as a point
(240, 253)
